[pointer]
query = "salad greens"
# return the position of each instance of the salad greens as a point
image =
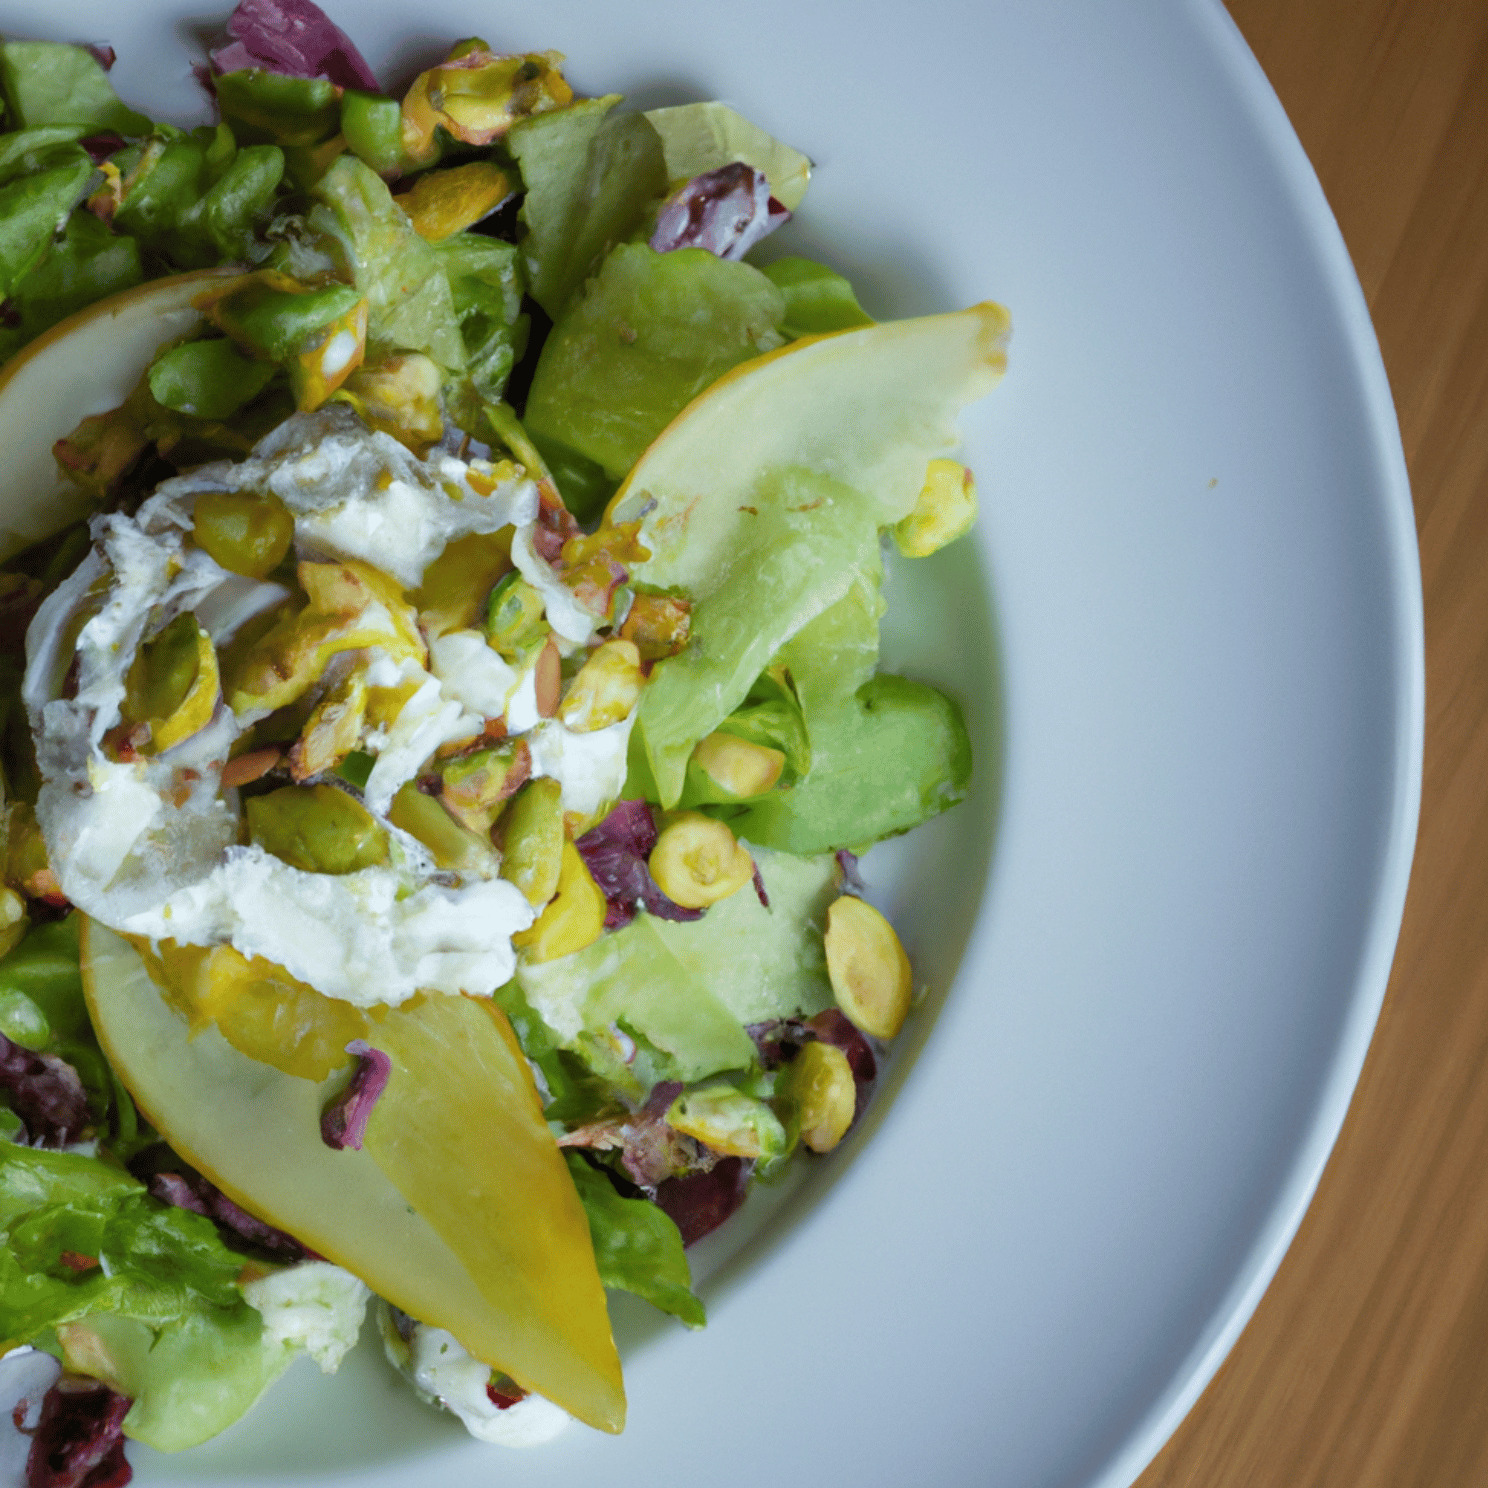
(389, 621)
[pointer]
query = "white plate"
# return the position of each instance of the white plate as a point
(1189, 638)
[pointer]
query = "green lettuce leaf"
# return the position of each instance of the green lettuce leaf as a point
(685, 989)
(485, 279)
(87, 263)
(637, 1246)
(189, 1378)
(815, 538)
(47, 82)
(589, 179)
(27, 151)
(33, 209)
(701, 137)
(638, 343)
(817, 299)
(890, 757)
(410, 304)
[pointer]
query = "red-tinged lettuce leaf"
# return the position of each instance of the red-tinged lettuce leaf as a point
(615, 853)
(699, 1202)
(295, 39)
(189, 1190)
(727, 211)
(637, 1245)
(79, 1440)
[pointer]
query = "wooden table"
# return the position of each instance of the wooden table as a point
(1366, 1365)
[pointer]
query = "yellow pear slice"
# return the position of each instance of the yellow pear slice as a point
(87, 365)
(869, 407)
(458, 1209)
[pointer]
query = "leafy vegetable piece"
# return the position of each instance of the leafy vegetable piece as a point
(476, 95)
(818, 300)
(189, 1378)
(458, 1210)
(411, 307)
(86, 264)
(813, 536)
(294, 38)
(47, 82)
(189, 1190)
(638, 343)
(687, 988)
(637, 1245)
(700, 137)
(485, 279)
(207, 379)
(615, 853)
(79, 1438)
(32, 209)
(267, 108)
(156, 1264)
(589, 179)
(26, 151)
(884, 761)
(771, 717)
(727, 211)
(869, 408)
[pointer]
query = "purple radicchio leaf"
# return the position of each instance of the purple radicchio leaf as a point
(504, 1392)
(759, 887)
(615, 854)
(102, 53)
(295, 39)
(46, 1093)
(79, 1440)
(343, 1123)
(727, 211)
(699, 1202)
(191, 1191)
(852, 880)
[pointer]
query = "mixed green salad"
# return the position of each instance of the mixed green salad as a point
(435, 766)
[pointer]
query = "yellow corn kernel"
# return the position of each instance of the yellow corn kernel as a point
(605, 689)
(697, 861)
(574, 917)
(944, 511)
(867, 967)
(742, 768)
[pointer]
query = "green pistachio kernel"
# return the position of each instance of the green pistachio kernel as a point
(532, 852)
(317, 828)
(246, 533)
(514, 617)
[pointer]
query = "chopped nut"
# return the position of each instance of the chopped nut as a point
(866, 964)
(698, 861)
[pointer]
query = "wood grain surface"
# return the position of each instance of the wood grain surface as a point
(1366, 1364)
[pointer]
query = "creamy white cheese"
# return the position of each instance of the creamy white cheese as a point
(470, 672)
(566, 615)
(590, 767)
(441, 1369)
(315, 1306)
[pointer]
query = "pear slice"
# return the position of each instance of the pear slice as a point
(869, 407)
(88, 364)
(459, 1208)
